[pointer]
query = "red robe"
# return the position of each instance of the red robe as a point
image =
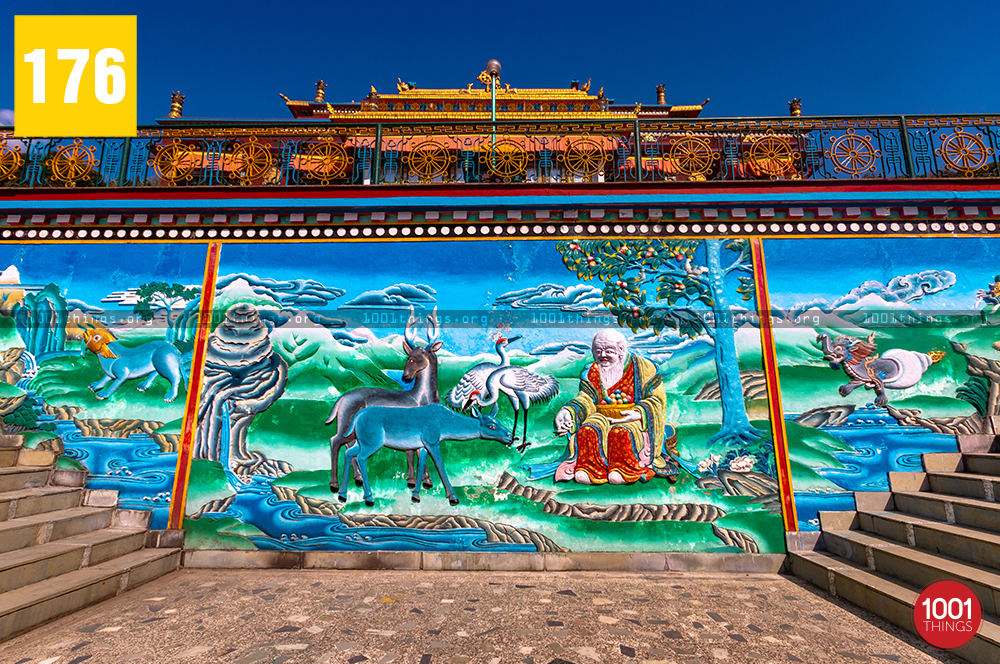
(625, 452)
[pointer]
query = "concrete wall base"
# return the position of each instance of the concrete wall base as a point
(491, 562)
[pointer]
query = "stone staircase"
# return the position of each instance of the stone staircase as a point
(63, 547)
(938, 524)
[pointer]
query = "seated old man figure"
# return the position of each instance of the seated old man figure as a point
(618, 418)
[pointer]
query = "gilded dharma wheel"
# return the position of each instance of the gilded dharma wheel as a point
(174, 162)
(963, 152)
(692, 155)
(326, 161)
(429, 160)
(10, 161)
(73, 163)
(853, 154)
(506, 159)
(771, 154)
(250, 161)
(584, 157)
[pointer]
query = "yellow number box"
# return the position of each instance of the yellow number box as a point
(75, 75)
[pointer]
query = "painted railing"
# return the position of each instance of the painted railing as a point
(303, 154)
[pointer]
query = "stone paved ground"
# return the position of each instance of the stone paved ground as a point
(331, 617)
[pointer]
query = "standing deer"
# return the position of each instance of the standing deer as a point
(421, 368)
(420, 429)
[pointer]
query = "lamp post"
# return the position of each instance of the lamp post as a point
(493, 69)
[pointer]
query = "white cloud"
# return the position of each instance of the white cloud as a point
(6, 117)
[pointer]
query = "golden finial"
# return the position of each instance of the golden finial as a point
(373, 94)
(320, 92)
(585, 87)
(661, 95)
(287, 100)
(795, 107)
(176, 105)
(600, 93)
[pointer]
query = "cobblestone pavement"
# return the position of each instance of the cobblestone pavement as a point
(331, 617)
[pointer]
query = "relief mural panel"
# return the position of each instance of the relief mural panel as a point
(494, 377)
(887, 349)
(408, 396)
(95, 346)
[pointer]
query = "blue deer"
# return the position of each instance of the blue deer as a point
(421, 428)
(120, 363)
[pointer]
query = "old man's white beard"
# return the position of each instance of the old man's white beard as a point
(610, 375)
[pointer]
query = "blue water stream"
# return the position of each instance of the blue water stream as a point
(143, 477)
(880, 445)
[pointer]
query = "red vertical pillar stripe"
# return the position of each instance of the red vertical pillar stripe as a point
(181, 475)
(777, 413)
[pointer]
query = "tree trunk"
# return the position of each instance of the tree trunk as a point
(736, 427)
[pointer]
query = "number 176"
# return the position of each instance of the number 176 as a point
(105, 74)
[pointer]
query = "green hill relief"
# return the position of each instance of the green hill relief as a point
(225, 533)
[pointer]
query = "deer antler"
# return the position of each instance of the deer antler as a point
(410, 333)
(433, 330)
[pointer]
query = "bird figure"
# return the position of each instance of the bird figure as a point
(475, 378)
(523, 388)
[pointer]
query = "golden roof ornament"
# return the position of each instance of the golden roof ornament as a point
(407, 103)
(661, 95)
(320, 92)
(795, 107)
(176, 105)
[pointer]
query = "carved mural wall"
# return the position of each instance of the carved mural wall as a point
(665, 444)
(887, 349)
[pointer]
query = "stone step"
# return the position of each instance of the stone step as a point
(51, 526)
(914, 567)
(971, 512)
(943, 462)
(14, 504)
(982, 464)
(970, 485)
(885, 597)
(29, 457)
(18, 477)
(959, 542)
(8, 457)
(37, 563)
(30, 606)
(11, 441)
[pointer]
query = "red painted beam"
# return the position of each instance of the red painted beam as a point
(189, 429)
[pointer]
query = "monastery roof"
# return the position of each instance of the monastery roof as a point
(409, 104)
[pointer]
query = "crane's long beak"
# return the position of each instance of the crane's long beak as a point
(511, 340)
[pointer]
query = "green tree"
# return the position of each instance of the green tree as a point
(159, 296)
(688, 280)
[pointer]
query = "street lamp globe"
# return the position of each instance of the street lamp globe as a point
(493, 68)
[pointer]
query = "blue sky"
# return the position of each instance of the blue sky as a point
(840, 57)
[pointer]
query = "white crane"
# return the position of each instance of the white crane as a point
(475, 378)
(523, 388)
